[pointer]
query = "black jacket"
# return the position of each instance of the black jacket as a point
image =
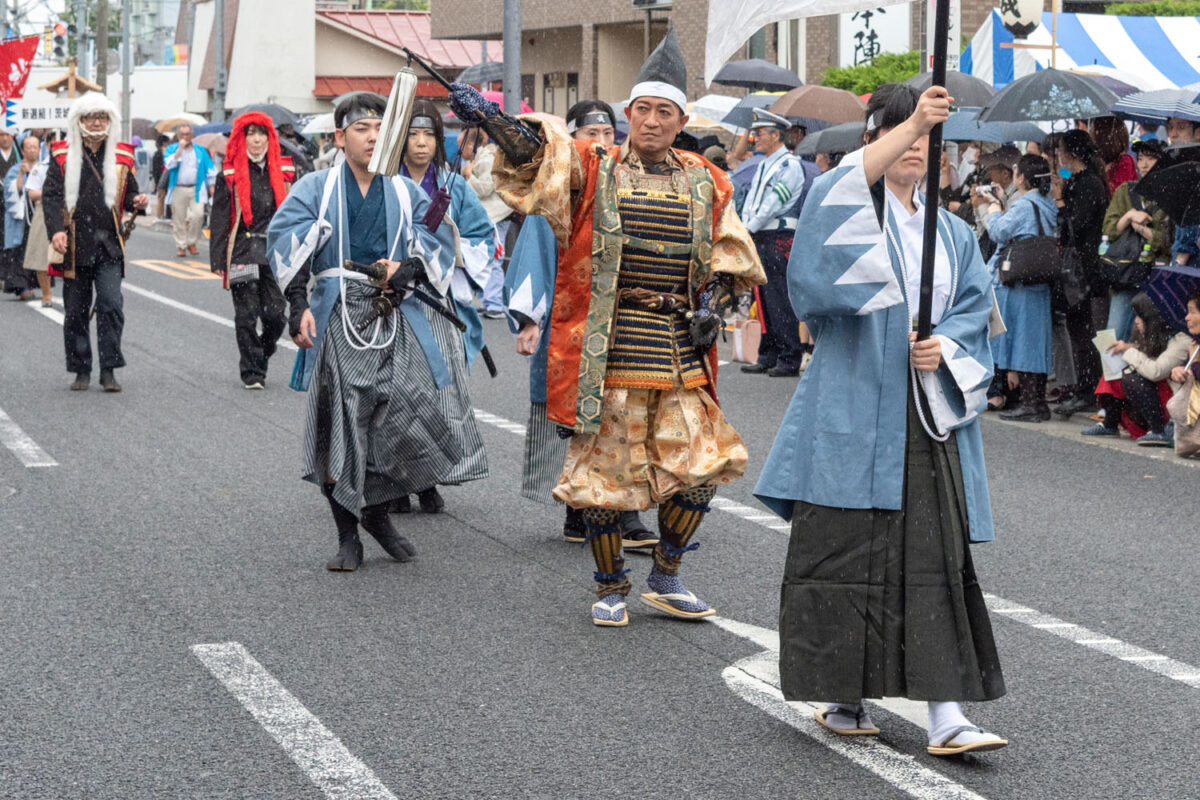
(250, 249)
(1081, 218)
(96, 237)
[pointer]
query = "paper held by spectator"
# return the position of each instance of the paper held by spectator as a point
(1114, 365)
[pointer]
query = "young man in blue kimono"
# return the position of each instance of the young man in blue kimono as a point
(372, 358)
(884, 493)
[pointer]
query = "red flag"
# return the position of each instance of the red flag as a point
(16, 57)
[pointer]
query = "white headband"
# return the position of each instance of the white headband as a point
(659, 89)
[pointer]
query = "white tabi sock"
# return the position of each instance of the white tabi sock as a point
(945, 718)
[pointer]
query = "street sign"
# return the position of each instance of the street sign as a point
(37, 113)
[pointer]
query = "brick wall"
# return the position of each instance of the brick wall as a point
(821, 49)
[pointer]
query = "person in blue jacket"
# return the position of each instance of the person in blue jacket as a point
(1024, 350)
(878, 462)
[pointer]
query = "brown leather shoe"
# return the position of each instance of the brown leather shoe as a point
(181, 252)
(193, 250)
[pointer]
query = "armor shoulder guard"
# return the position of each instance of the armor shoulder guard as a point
(59, 151)
(125, 154)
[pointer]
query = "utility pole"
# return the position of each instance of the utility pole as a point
(83, 39)
(126, 71)
(220, 74)
(102, 44)
(512, 56)
(3, 19)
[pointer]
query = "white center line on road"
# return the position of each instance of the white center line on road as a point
(326, 761)
(1129, 653)
(24, 448)
(199, 312)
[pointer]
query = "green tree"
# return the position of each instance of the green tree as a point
(400, 5)
(866, 78)
(113, 40)
(1162, 8)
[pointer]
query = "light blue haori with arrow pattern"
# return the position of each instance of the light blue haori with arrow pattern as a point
(312, 225)
(842, 441)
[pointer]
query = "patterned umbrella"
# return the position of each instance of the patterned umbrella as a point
(1156, 106)
(1169, 287)
(1047, 96)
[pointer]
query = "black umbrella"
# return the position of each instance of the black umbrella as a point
(755, 73)
(1047, 96)
(1174, 189)
(967, 90)
(278, 114)
(741, 115)
(835, 139)
(485, 72)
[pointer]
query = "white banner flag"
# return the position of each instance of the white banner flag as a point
(731, 23)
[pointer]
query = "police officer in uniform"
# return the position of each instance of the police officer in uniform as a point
(769, 212)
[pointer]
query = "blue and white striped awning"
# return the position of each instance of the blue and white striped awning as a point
(1147, 52)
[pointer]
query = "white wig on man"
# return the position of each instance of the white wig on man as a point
(90, 103)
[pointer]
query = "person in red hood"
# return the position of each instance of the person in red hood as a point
(255, 179)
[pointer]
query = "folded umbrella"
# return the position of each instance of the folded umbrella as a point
(967, 90)
(755, 73)
(1168, 288)
(1174, 190)
(1047, 96)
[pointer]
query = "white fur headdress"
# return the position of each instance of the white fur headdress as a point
(91, 103)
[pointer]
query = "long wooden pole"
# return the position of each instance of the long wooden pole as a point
(933, 174)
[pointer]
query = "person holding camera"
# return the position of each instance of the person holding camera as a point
(375, 427)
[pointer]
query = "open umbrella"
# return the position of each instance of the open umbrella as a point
(1169, 288)
(964, 126)
(483, 72)
(1174, 189)
(967, 90)
(214, 143)
(835, 139)
(742, 114)
(278, 114)
(1156, 106)
(168, 124)
(143, 128)
(213, 127)
(1047, 96)
(755, 73)
(713, 106)
(321, 123)
(821, 104)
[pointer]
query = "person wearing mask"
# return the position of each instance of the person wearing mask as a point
(37, 250)
(770, 211)
(424, 162)
(1137, 400)
(880, 596)
(1127, 211)
(16, 222)
(190, 170)
(529, 291)
(1082, 198)
(1023, 352)
(88, 189)
(653, 253)
(255, 179)
(1185, 246)
(1112, 140)
(374, 428)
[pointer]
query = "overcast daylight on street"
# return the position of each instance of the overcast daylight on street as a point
(516, 398)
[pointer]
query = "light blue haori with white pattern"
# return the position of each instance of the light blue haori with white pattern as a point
(776, 193)
(529, 291)
(477, 244)
(312, 225)
(842, 441)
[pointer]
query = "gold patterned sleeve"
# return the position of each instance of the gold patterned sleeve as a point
(547, 184)
(734, 253)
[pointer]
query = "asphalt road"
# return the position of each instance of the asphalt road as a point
(174, 518)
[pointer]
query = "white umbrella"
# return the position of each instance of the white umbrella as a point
(321, 123)
(714, 106)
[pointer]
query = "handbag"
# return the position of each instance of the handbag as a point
(1032, 260)
(1184, 410)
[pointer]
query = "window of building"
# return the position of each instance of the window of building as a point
(572, 89)
(757, 47)
(527, 89)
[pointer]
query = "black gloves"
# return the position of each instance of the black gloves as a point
(564, 432)
(406, 275)
(704, 329)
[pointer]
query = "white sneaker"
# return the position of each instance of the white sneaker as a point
(254, 385)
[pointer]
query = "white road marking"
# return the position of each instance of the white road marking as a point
(326, 761)
(23, 447)
(284, 342)
(1129, 653)
(47, 311)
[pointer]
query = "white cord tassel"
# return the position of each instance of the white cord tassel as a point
(393, 131)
